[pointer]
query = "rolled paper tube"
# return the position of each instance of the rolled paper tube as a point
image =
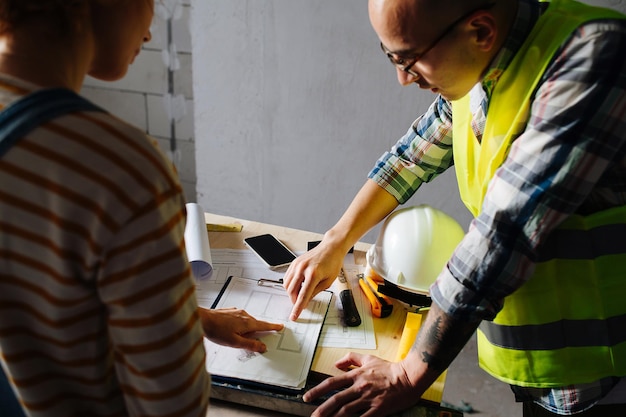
(197, 243)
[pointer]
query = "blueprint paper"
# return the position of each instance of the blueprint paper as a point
(244, 263)
(289, 355)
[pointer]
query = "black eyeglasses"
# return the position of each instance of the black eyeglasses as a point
(405, 64)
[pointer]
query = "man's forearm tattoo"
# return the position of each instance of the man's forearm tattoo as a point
(439, 343)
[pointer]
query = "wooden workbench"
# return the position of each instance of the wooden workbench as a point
(388, 330)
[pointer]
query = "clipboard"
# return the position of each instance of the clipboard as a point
(285, 367)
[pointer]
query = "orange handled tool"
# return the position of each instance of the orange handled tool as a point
(381, 305)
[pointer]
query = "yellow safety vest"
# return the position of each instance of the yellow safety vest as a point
(567, 323)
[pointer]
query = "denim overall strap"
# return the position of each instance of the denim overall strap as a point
(27, 113)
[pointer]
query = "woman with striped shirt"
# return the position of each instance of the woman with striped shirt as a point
(98, 315)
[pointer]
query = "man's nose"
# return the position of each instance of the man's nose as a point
(404, 78)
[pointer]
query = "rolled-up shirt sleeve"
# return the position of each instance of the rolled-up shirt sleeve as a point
(419, 156)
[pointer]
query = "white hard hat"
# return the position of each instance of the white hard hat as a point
(413, 246)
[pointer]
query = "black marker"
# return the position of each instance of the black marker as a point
(350, 312)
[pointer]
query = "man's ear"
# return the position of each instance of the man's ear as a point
(484, 30)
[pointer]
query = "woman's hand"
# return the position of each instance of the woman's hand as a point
(235, 328)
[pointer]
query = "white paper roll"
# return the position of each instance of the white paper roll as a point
(197, 242)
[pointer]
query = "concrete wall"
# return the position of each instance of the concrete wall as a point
(294, 103)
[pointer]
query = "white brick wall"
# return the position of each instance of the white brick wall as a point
(139, 96)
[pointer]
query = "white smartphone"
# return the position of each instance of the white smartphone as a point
(271, 250)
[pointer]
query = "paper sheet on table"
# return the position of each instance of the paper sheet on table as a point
(244, 263)
(289, 355)
(197, 243)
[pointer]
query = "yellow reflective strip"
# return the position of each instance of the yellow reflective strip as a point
(553, 368)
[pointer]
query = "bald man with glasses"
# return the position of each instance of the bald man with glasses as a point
(530, 109)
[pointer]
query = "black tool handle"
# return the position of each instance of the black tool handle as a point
(350, 312)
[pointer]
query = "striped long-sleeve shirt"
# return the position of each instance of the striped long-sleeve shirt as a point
(578, 110)
(98, 315)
